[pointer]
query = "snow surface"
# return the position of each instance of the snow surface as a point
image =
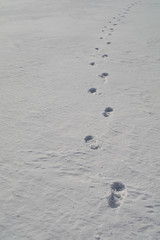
(55, 185)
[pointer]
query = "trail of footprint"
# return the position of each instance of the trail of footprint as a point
(91, 142)
(103, 75)
(105, 55)
(92, 90)
(107, 111)
(118, 194)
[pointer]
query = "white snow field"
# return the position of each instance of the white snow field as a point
(79, 120)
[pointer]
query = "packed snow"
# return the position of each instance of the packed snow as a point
(79, 120)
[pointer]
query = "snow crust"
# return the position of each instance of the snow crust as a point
(54, 185)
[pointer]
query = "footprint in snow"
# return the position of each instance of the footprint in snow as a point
(108, 43)
(92, 90)
(97, 49)
(91, 142)
(107, 111)
(118, 194)
(103, 75)
(92, 63)
(104, 55)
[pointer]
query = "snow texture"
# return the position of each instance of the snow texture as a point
(69, 168)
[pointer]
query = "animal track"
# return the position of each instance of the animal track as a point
(103, 75)
(104, 55)
(97, 49)
(108, 43)
(107, 111)
(91, 142)
(88, 138)
(92, 90)
(118, 194)
(92, 63)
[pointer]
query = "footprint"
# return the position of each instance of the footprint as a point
(92, 90)
(91, 142)
(107, 111)
(108, 43)
(112, 29)
(118, 194)
(97, 49)
(103, 75)
(102, 30)
(104, 55)
(88, 138)
(101, 37)
(115, 24)
(92, 63)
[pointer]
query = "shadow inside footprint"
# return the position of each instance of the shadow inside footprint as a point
(104, 55)
(117, 186)
(92, 90)
(88, 138)
(107, 111)
(103, 75)
(118, 194)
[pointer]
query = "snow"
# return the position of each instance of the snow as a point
(55, 184)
